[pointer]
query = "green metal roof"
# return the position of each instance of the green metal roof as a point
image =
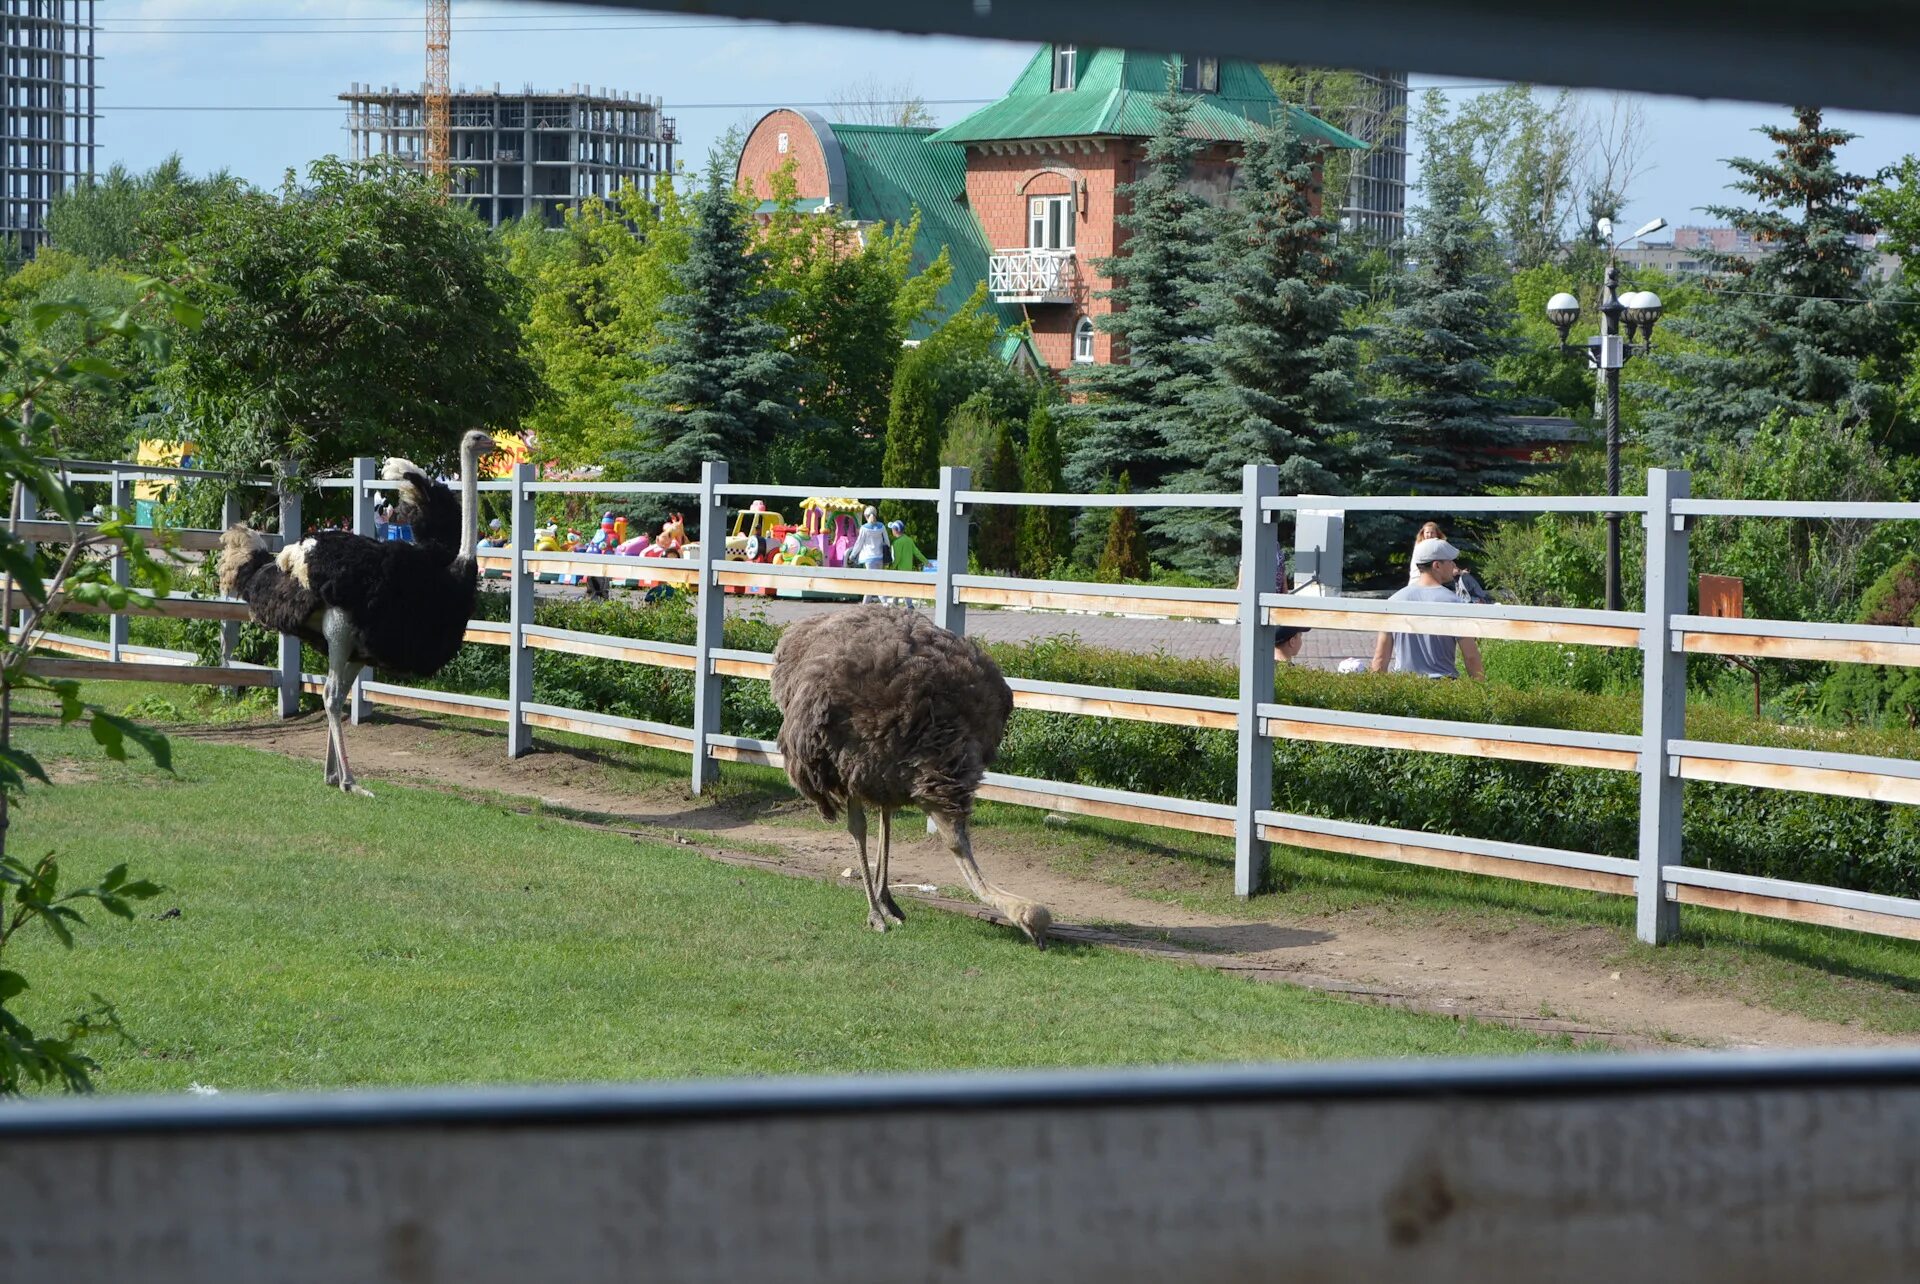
(1113, 96)
(891, 171)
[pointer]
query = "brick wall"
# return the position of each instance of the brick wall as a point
(761, 158)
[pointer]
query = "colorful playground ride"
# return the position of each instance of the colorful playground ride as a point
(828, 528)
(757, 535)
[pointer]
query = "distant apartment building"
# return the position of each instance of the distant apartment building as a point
(47, 98)
(1689, 252)
(527, 152)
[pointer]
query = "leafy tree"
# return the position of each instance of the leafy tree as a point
(1518, 159)
(594, 290)
(1125, 555)
(98, 419)
(117, 217)
(1281, 386)
(998, 529)
(1804, 329)
(1156, 318)
(1442, 402)
(724, 378)
(32, 426)
(1043, 528)
(358, 315)
(850, 301)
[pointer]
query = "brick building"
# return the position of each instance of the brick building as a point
(1022, 193)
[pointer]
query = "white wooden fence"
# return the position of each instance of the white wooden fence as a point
(1660, 754)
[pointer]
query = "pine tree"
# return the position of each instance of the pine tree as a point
(1281, 385)
(1442, 402)
(1155, 319)
(724, 375)
(1043, 529)
(1794, 330)
(1125, 556)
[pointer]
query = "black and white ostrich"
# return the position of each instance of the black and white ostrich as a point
(397, 606)
(880, 707)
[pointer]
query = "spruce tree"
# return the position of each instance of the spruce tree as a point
(1442, 403)
(1043, 529)
(1281, 384)
(1156, 321)
(724, 374)
(1793, 330)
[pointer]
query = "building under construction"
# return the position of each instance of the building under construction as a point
(46, 93)
(512, 154)
(1376, 204)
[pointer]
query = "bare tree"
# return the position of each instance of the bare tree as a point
(1616, 150)
(871, 101)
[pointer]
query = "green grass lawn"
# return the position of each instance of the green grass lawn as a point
(324, 941)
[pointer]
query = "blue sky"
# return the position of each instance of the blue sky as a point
(246, 56)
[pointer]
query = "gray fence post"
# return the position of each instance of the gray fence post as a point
(951, 525)
(1663, 708)
(520, 605)
(710, 618)
(118, 624)
(1253, 781)
(291, 532)
(364, 467)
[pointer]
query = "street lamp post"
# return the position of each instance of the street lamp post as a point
(1607, 353)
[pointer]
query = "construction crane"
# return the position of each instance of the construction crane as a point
(439, 91)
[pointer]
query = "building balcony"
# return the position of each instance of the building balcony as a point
(1032, 276)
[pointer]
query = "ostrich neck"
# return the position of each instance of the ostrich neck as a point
(469, 501)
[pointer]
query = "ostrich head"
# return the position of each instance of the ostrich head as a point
(1032, 918)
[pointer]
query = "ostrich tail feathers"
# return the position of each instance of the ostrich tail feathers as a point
(413, 479)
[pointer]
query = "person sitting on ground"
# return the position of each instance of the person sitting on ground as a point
(1432, 654)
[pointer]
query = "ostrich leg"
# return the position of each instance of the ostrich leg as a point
(333, 738)
(342, 669)
(887, 905)
(1030, 917)
(857, 826)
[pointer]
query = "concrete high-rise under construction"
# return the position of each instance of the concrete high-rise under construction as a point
(514, 154)
(1376, 204)
(47, 96)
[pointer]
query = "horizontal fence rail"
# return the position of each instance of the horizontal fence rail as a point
(1659, 754)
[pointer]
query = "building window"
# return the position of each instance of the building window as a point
(1083, 342)
(1200, 75)
(1063, 67)
(1050, 223)
(783, 143)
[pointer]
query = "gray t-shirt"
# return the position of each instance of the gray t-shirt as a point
(1430, 653)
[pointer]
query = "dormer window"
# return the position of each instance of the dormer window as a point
(1063, 67)
(1200, 75)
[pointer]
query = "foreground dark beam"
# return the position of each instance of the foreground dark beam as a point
(1705, 1168)
(1851, 53)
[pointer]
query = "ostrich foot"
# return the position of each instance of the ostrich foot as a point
(347, 785)
(878, 921)
(890, 908)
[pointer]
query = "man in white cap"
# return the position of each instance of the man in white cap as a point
(1436, 564)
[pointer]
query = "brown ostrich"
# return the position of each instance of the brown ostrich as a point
(880, 707)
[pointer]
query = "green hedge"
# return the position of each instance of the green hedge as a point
(1836, 841)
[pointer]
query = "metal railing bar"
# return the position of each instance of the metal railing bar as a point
(1836, 510)
(1450, 842)
(1812, 630)
(1457, 503)
(1550, 736)
(919, 494)
(1053, 499)
(604, 639)
(1120, 797)
(612, 488)
(1455, 611)
(1784, 889)
(1125, 695)
(1082, 588)
(609, 720)
(1818, 760)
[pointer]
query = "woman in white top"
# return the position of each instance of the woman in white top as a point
(1430, 531)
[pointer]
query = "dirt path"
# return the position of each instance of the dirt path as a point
(1532, 976)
